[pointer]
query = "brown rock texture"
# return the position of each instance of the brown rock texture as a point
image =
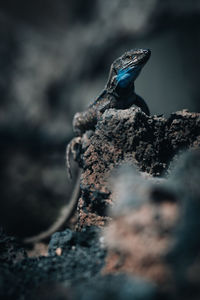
(129, 136)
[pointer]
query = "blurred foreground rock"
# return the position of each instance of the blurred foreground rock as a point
(144, 218)
(154, 232)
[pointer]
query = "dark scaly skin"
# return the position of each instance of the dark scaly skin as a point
(115, 95)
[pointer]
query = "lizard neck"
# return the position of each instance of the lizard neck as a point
(125, 97)
(124, 93)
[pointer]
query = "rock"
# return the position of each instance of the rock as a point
(141, 232)
(81, 259)
(129, 136)
(60, 240)
(154, 231)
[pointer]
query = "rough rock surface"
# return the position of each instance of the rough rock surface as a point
(129, 136)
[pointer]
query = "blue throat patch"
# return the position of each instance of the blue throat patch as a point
(125, 76)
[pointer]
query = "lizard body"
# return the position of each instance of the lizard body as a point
(119, 91)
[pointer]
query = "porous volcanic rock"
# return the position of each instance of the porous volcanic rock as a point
(129, 136)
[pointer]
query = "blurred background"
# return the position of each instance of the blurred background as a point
(54, 60)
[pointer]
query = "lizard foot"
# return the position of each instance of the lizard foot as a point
(72, 148)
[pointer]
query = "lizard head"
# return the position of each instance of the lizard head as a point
(127, 67)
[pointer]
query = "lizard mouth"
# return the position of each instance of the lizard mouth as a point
(147, 54)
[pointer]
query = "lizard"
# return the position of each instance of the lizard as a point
(119, 93)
